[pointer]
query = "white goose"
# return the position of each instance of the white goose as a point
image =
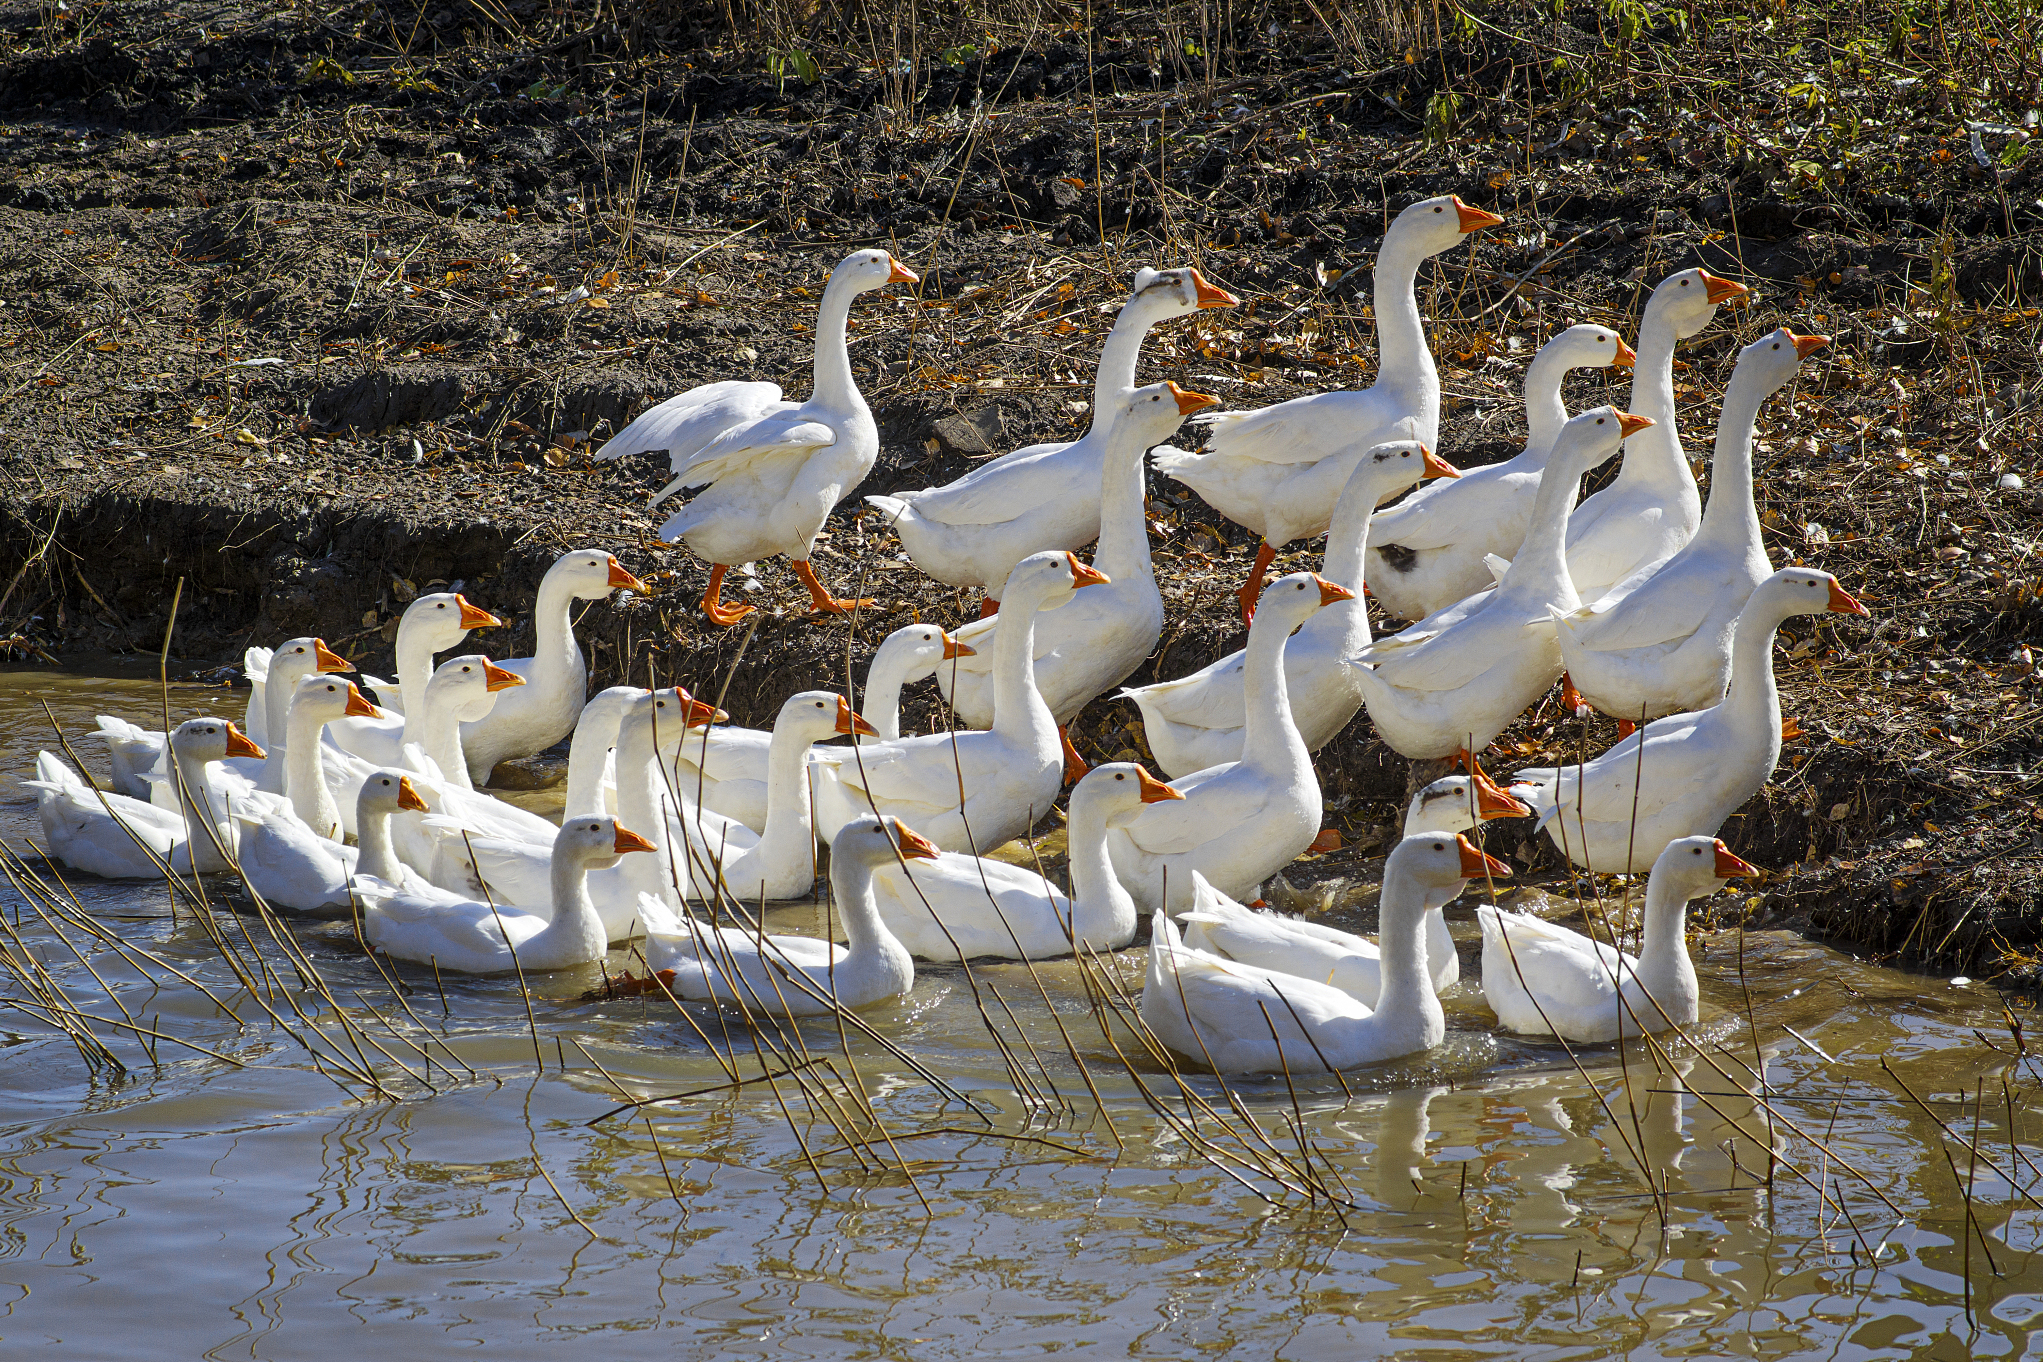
(965, 907)
(1660, 640)
(1652, 507)
(293, 867)
(137, 754)
(1614, 812)
(1542, 979)
(799, 976)
(429, 626)
(544, 711)
(1084, 649)
(1427, 551)
(1240, 821)
(773, 469)
(105, 834)
(1009, 774)
(1220, 926)
(1455, 680)
(973, 531)
(728, 764)
(1240, 1019)
(484, 938)
(1278, 470)
(1197, 721)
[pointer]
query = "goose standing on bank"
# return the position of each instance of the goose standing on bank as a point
(1652, 507)
(1660, 641)
(1279, 469)
(1009, 774)
(1217, 1012)
(799, 976)
(1542, 979)
(1240, 821)
(1086, 648)
(1427, 551)
(1683, 775)
(1197, 721)
(1445, 685)
(1220, 926)
(543, 711)
(771, 470)
(973, 531)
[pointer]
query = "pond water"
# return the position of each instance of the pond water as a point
(1497, 1198)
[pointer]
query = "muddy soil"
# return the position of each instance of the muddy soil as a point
(312, 312)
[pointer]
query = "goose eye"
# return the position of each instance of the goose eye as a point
(1599, 420)
(1120, 777)
(1684, 283)
(1436, 207)
(1440, 846)
(1776, 345)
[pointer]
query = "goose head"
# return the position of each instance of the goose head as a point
(1118, 790)
(329, 697)
(596, 843)
(1587, 441)
(1049, 579)
(917, 650)
(1587, 346)
(1153, 413)
(1432, 225)
(1804, 591)
(211, 740)
(302, 657)
(1295, 597)
(1688, 299)
(1772, 360)
(592, 574)
(1173, 293)
(389, 792)
(469, 685)
(1694, 866)
(1457, 803)
(445, 617)
(1397, 464)
(1440, 860)
(818, 714)
(864, 271)
(871, 841)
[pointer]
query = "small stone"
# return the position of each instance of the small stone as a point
(2010, 482)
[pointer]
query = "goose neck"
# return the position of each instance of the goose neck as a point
(1404, 359)
(1654, 455)
(305, 774)
(881, 703)
(377, 855)
(790, 818)
(1545, 413)
(1407, 984)
(556, 653)
(1753, 701)
(1118, 357)
(576, 931)
(1732, 517)
(1539, 571)
(439, 735)
(594, 738)
(834, 387)
(1102, 911)
(414, 668)
(872, 947)
(1123, 549)
(1664, 967)
(1020, 715)
(202, 809)
(1270, 740)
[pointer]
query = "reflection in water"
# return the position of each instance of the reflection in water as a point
(1504, 1197)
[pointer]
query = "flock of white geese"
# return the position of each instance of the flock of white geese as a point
(1638, 601)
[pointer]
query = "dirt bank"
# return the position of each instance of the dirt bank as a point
(313, 312)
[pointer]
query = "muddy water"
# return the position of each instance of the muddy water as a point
(1501, 1197)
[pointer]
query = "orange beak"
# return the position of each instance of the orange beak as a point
(1435, 466)
(474, 616)
(913, 845)
(408, 796)
(1729, 866)
(1841, 602)
(900, 273)
(1494, 802)
(496, 678)
(360, 708)
(1210, 296)
(1329, 592)
(695, 713)
(1084, 575)
(1155, 791)
(1626, 356)
(1721, 290)
(1474, 218)
(325, 659)
(619, 578)
(1189, 402)
(1631, 425)
(239, 744)
(627, 840)
(1806, 346)
(952, 648)
(1474, 862)
(848, 722)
